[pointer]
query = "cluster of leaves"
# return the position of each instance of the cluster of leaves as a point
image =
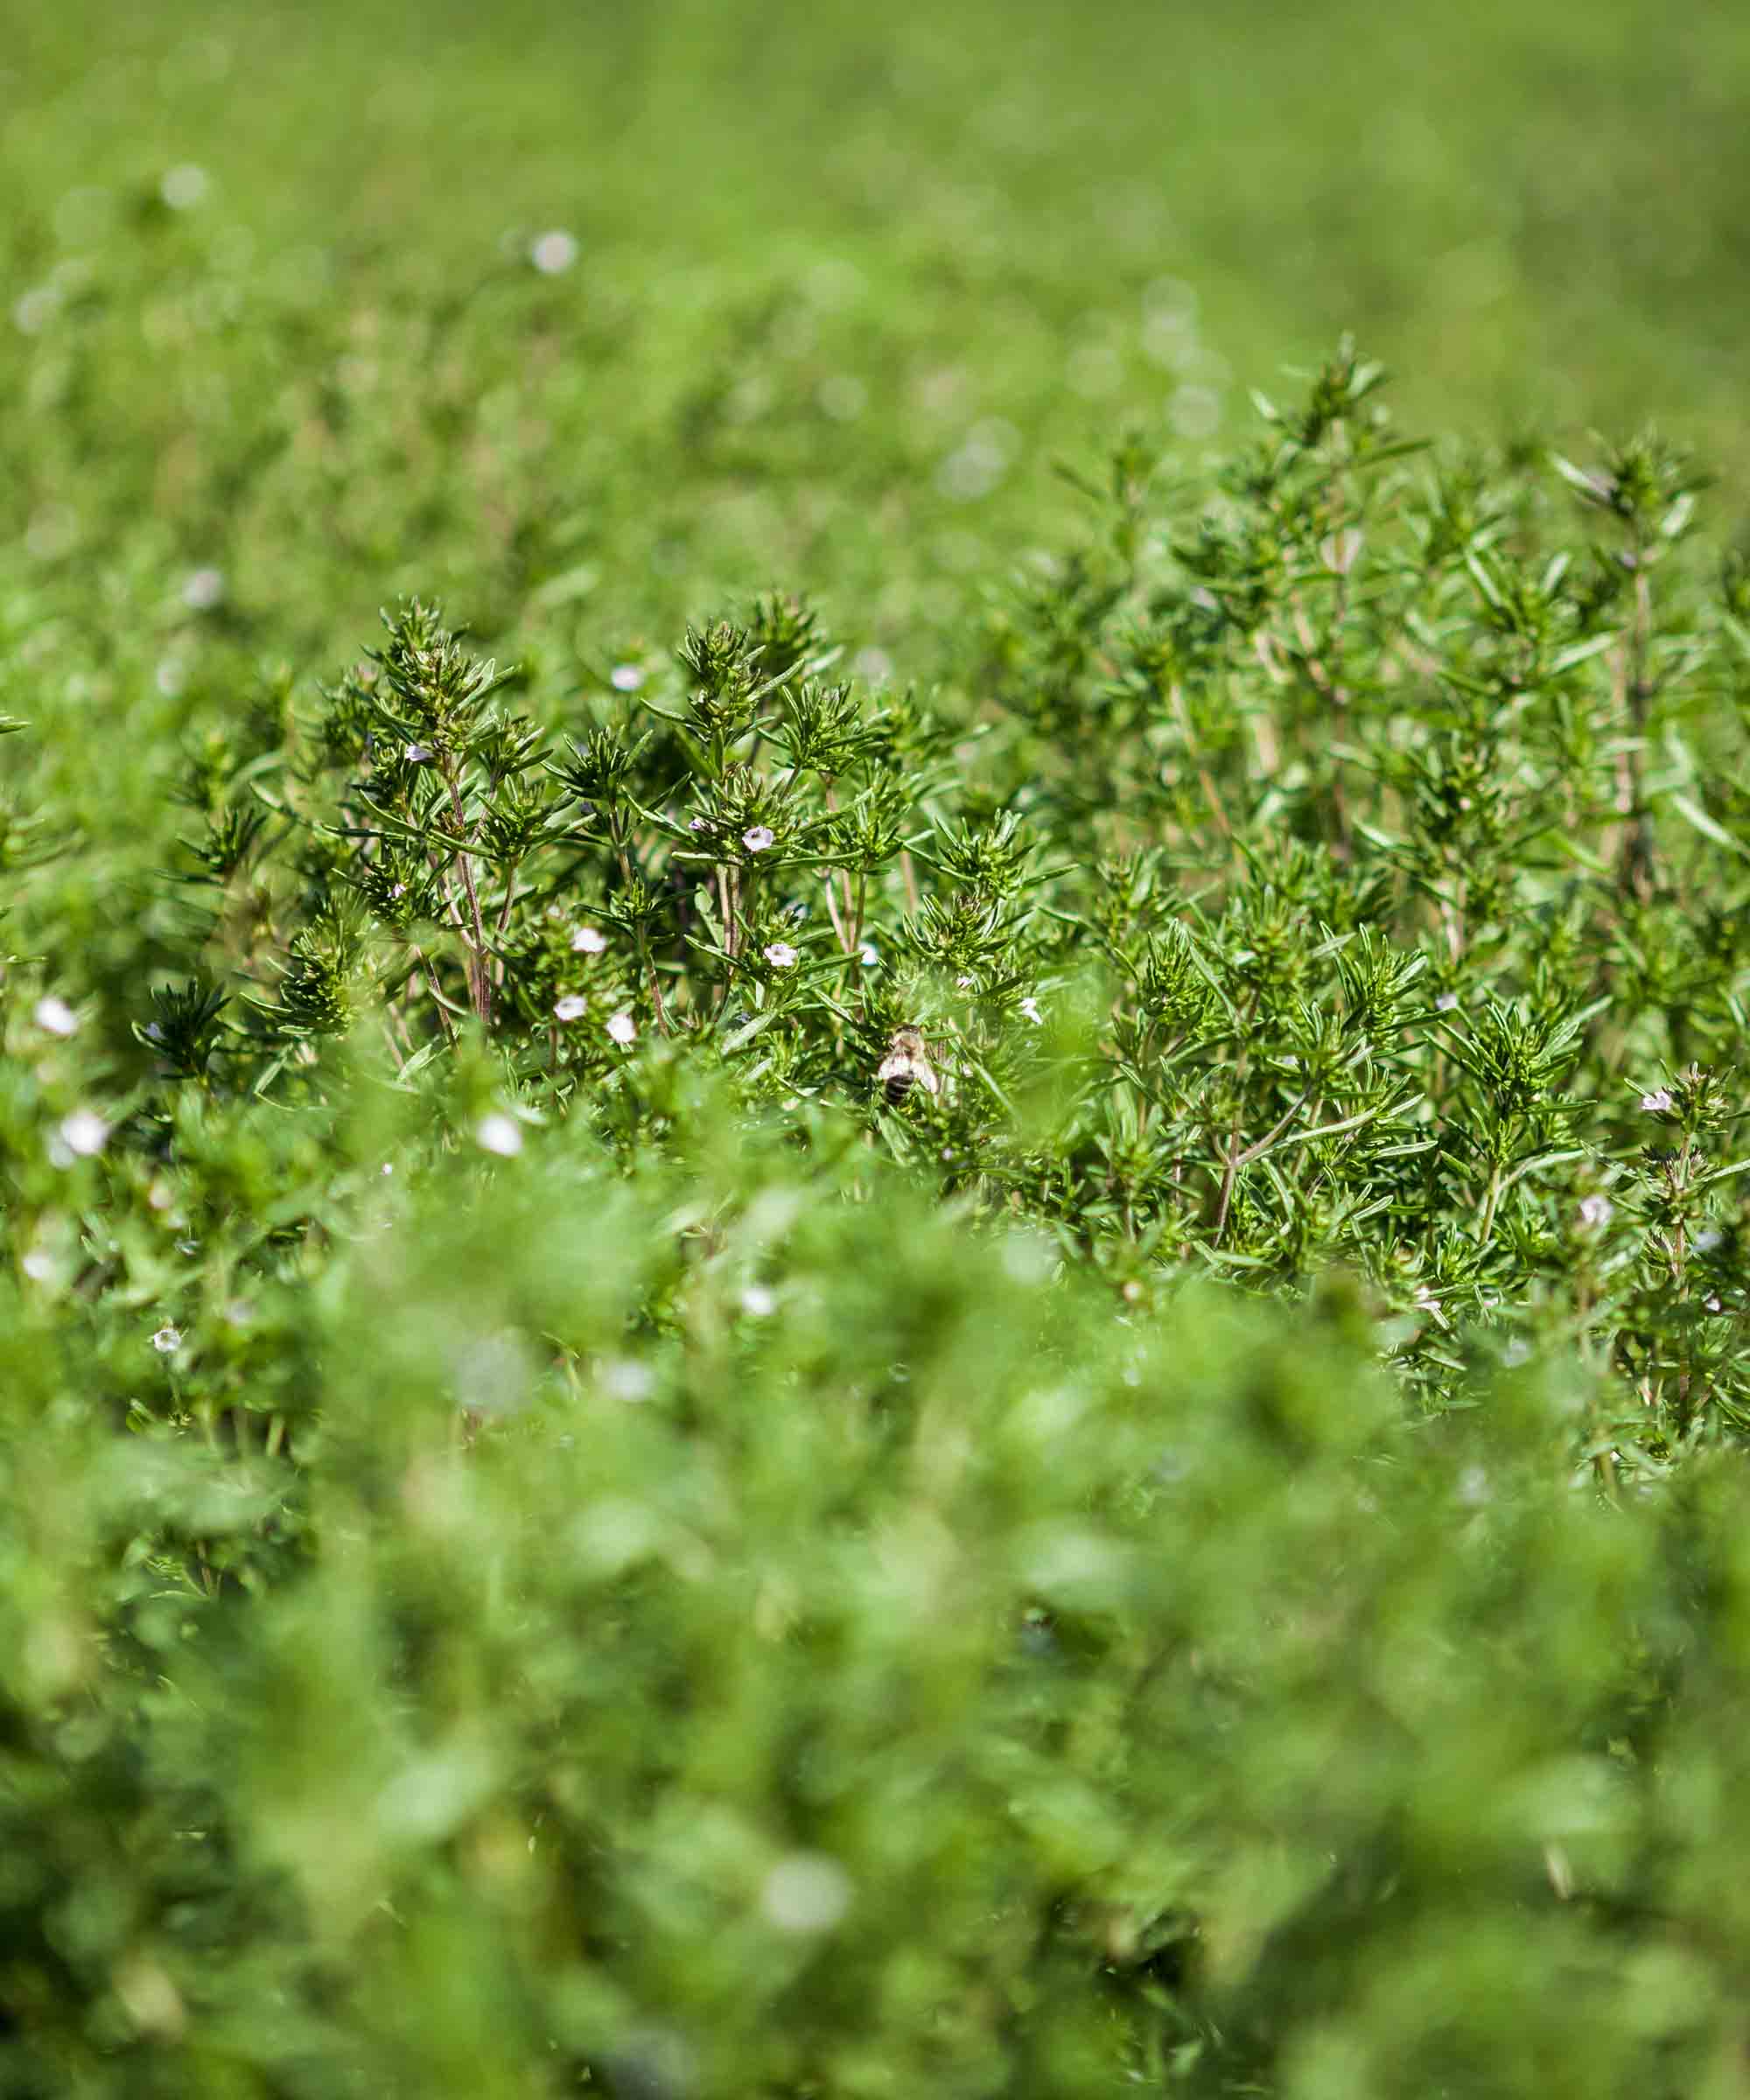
(1342, 865)
(633, 1460)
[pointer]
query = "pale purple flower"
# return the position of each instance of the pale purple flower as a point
(167, 1340)
(779, 955)
(587, 942)
(1595, 1210)
(417, 755)
(56, 1017)
(963, 982)
(698, 824)
(1446, 1001)
(499, 1133)
(204, 590)
(552, 253)
(571, 1007)
(1658, 1102)
(625, 677)
(757, 837)
(622, 1028)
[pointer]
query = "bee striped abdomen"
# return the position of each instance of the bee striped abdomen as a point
(906, 1066)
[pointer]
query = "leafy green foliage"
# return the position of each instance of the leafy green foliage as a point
(640, 1448)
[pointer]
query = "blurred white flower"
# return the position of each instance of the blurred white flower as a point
(842, 396)
(183, 186)
(587, 942)
(868, 955)
(570, 1008)
(56, 1017)
(1030, 1009)
(499, 1133)
(624, 1379)
(553, 252)
(622, 1027)
(758, 1302)
(31, 310)
(1446, 1001)
(204, 590)
(1194, 412)
(963, 982)
(807, 1892)
(1595, 1210)
(167, 1341)
(757, 837)
(84, 1133)
(625, 677)
(779, 955)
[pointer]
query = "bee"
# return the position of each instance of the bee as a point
(907, 1065)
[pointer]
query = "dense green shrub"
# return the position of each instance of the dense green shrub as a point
(723, 1383)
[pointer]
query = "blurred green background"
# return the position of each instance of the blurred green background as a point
(844, 279)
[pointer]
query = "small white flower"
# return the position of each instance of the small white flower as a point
(1708, 1238)
(167, 1340)
(204, 590)
(1595, 1210)
(757, 837)
(570, 1008)
(1030, 1009)
(153, 1031)
(868, 955)
(84, 1133)
(56, 1017)
(1446, 1001)
(1657, 1103)
(183, 186)
(398, 889)
(626, 678)
(38, 1266)
(622, 1027)
(1711, 1302)
(807, 1893)
(553, 252)
(779, 955)
(627, 1380)
(587, 942)
(758, 1302)
(963, 982)
(417, 755)
(499, 1133)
